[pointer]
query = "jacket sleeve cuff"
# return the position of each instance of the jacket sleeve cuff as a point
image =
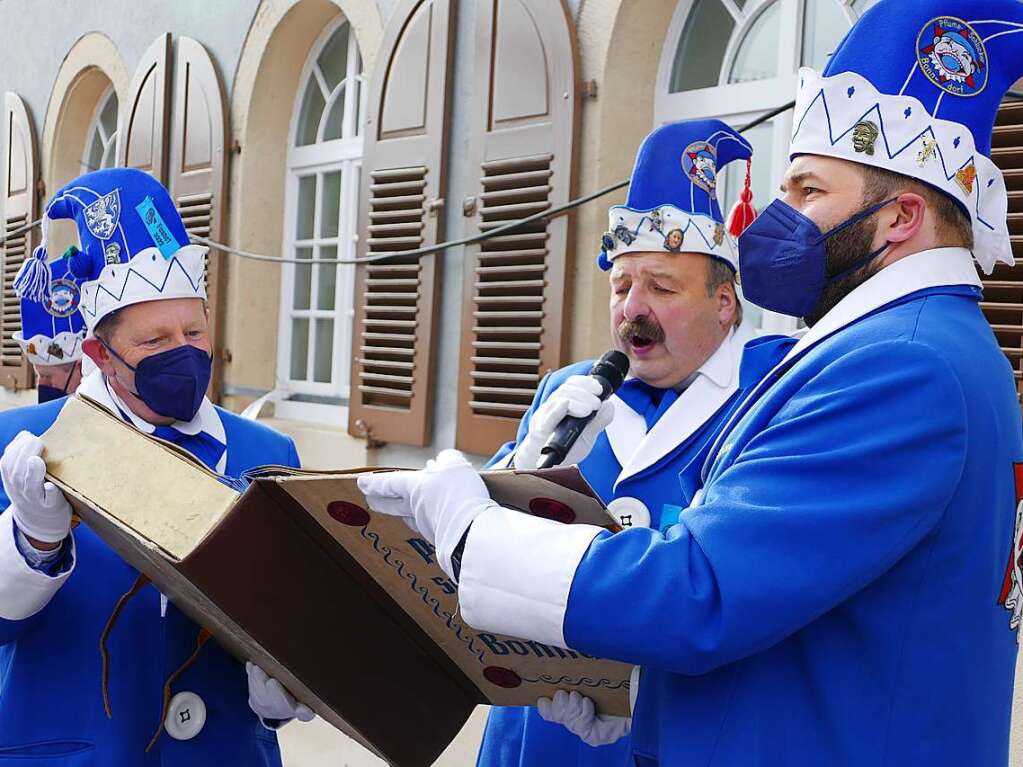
(517, 572)
(24, 591)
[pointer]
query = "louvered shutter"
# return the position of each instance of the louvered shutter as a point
(142, 122)
(521, 158)
(199, 174)
(20, 208)
(1003, 290)
(401, 209)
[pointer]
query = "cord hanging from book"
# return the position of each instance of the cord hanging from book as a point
(141, 581)
(201, 639)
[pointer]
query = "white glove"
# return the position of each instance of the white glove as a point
(576, 713)
(441, 500)
(270, 700)
(578, 396)
(40, 510)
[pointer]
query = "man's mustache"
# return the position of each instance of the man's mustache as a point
(644, 327)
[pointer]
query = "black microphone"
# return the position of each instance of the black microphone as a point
(610, 370)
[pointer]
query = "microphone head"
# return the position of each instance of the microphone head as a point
(612, 367)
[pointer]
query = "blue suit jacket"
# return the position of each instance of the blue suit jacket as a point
(519, 737)
(835, 598)
(51, 708)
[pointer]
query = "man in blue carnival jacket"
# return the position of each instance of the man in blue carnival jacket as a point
(845, 590)
(674, 312)
(143, 302)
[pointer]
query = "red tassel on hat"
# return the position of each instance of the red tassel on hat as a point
(743, 213)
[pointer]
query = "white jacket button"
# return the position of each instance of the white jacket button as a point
(630, 512)
(186, 716)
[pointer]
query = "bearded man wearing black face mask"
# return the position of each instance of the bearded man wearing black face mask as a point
(143, 301)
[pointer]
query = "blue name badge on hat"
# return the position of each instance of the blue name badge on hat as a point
(158, 230)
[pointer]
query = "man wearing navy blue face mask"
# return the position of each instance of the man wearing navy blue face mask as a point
(851, 571)
(143, 301)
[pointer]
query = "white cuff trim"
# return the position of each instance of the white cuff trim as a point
(517, 572)
(23, 590)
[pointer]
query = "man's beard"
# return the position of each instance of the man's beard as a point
(844, 250)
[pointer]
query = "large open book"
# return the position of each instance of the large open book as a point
(346, 607)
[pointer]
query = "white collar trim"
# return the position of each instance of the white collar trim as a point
(927, 269)
(716, 381)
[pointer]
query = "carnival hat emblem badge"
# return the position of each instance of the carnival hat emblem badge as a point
(102, 216)
(64, 298)
(864, 137)
(953, 56)
(700, 163)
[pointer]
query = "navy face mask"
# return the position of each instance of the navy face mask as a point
(783, 258)
(172, 383)
(49, 393)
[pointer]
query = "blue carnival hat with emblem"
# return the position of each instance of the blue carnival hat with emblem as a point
(134, 246)
(914, 88)
(52, 330)
(672, 204)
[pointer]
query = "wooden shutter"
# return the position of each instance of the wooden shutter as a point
(20, 208)
(402, 204)
(1003, 290)
(142, 122)
(199, 175)
(521, 161)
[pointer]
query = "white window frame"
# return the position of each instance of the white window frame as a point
(756, 97)
(304, 400)
(95, 126)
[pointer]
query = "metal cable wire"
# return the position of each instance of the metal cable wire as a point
(543, 216)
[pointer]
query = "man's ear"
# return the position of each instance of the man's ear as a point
(727, 304)
(98, 354)
(910, 211)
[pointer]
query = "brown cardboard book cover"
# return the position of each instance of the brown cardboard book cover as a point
(346, 607)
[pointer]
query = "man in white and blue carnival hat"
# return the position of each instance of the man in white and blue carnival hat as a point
(674, 312)
(845, 589)
(52, 332)
(143, 302)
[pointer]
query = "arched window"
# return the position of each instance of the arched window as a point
(324, 158)
(735, 60)
(101, 139)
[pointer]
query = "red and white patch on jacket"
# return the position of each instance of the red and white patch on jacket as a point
(1011, 597)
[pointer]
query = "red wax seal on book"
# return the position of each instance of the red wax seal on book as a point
(502, 677)
(348, 513)
(548, 508)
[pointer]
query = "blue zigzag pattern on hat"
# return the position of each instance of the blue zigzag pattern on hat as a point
(117, 297)
(78, 343)
(876, 109)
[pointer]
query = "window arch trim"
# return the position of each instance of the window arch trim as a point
(311, 69)
(319, 160)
